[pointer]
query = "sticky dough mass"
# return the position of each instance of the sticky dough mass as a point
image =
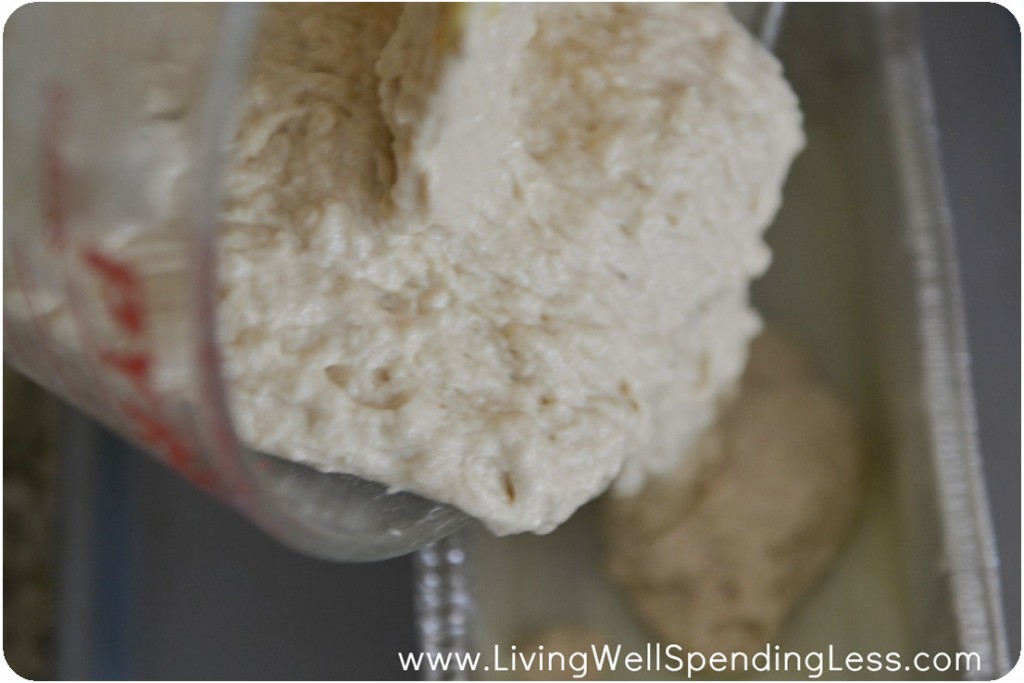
(497, 255)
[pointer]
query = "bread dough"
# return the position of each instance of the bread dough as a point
(715, 555)
(497, 255)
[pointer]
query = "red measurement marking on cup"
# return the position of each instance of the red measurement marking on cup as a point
(153, 430)
(121, 294)
(133, 365)
(121, 290)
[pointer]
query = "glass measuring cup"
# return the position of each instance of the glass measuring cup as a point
(112, 160)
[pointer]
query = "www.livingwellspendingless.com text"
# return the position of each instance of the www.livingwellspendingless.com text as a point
(674, 659)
